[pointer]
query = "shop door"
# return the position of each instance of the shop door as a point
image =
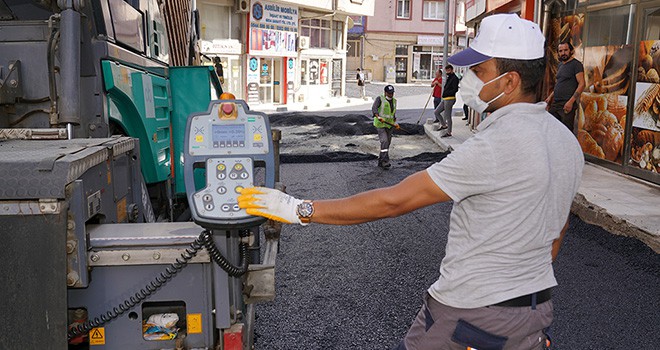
(270, 75)
(644, 145)
(401, 64)
(278, 84)
(233, 77)
(336, 78)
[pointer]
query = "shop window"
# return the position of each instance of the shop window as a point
(401, 50)
(314, 72)
(337, 35)
(609, 27)
(434, 10)
(353, 49)
(403, 9)
(218, 22)
(303, 72)
(319, 32)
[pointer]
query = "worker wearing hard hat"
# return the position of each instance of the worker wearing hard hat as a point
(512, 184)
(384, 111)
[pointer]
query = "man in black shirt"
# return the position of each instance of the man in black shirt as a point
(569, 86)
(443, 111)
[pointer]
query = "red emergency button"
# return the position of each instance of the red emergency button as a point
(227, 108)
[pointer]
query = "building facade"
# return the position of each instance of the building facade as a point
(404, 41)
(280, 51)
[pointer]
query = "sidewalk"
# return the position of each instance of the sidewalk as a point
(621, 204)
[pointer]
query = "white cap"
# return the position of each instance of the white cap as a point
(503, 35)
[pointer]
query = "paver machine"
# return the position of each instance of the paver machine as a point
(118, 181)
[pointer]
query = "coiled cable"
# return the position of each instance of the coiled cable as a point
(234, 271)
(205, 239)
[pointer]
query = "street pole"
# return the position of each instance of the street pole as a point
(445, 48)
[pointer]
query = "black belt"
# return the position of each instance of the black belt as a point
(528, 300)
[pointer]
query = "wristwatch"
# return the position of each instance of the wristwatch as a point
(305, 210)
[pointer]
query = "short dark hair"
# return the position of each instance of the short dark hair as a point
(570, 46)
(449, 66)
(531, 71)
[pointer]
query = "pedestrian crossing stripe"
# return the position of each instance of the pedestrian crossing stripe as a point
(97, 336)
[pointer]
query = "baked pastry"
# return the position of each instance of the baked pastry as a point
(589, 145)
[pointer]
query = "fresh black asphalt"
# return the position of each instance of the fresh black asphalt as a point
(360, 286)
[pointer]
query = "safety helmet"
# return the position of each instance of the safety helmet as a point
(389, 89)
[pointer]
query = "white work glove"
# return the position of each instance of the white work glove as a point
(269, 203)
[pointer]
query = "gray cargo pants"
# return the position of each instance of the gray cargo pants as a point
(385, 138)
(441, 327)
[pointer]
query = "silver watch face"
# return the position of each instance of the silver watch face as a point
(305, 209)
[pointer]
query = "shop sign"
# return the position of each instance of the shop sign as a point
(645, 138)
(474, 8)
(290, 76)
(253, 69)
(430, 40)
(227, 46)
(273, 29)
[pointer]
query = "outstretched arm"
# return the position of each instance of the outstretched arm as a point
(414, 192)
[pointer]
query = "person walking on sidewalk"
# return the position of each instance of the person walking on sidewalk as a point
(360, 83)
(512, 185)
(384, 111)
(436, 84)
(564, 99)
(443, 111)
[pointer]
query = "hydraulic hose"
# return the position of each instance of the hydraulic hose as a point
(205, 239)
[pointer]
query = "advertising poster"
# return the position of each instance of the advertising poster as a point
(649, 62)
(324, 72)
(290, 77)
(645, 140)
(253, 79)
(273, 29)
(564, 29)
(603, 106)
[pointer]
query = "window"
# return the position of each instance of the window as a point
(609, 27)
(403, 9)
(318, 31)
(434, 10)
(218, 22)
(338, 35)
(401, 50)
(353, 48)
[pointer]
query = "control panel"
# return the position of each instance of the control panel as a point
(228, 142)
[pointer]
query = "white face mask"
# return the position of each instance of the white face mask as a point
(470, 87)
(388, 98)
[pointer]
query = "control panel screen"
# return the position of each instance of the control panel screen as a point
(232, 135)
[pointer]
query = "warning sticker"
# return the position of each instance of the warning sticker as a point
(194, 323)
(97, 336)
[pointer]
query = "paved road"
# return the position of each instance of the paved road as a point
(359, 287)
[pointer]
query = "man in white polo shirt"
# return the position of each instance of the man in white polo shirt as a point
(512, 184)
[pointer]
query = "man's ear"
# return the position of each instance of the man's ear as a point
(512, 82)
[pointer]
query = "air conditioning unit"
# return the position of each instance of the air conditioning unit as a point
(303, 42)
(242, 6)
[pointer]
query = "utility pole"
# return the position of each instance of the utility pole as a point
(445, 47)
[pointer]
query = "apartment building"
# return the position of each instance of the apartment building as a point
(279, 51)
(402, 42)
